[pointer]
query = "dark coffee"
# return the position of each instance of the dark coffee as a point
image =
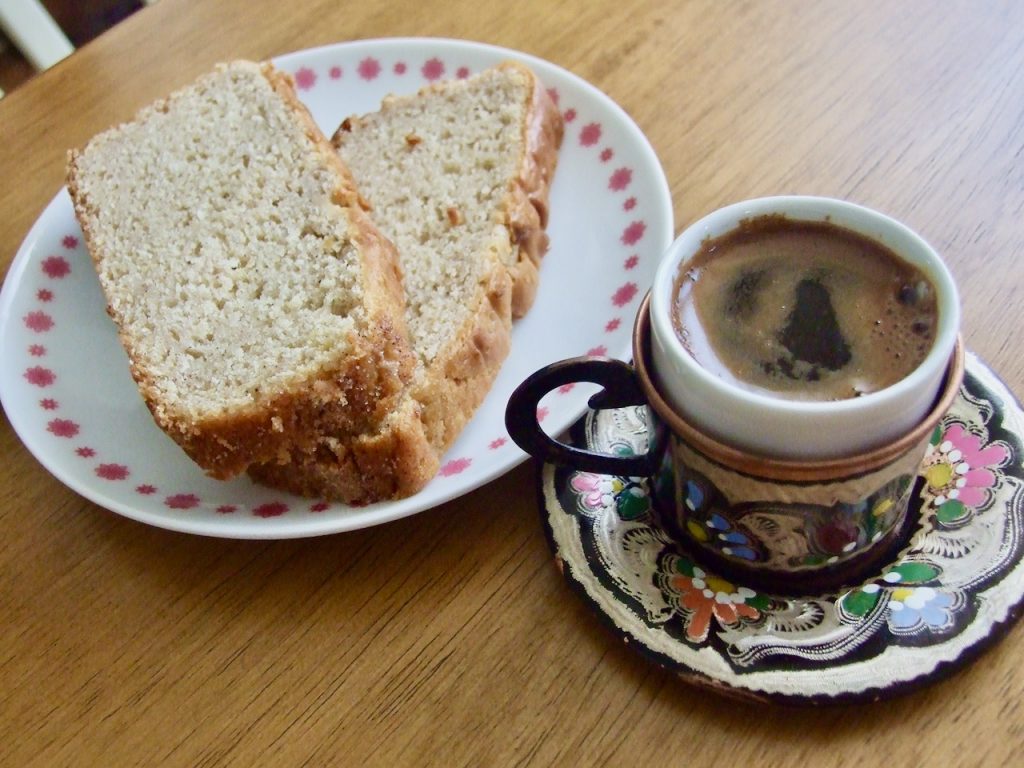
(803, 310)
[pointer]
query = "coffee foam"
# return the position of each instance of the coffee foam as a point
(804, 310)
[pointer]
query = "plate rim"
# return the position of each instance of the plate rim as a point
(250, 527)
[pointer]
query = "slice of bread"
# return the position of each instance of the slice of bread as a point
(257, 303)
(458, 177)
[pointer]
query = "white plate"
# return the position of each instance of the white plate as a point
(64, 379)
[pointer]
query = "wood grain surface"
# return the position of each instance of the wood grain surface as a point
(449, 638)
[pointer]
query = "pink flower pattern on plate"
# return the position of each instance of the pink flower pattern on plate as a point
(369, 68)
(181, 501)
(433, 69)
(306, 78)
(620, 179)
(590, 134)
(40, 322)
(624, 294)
(63, 428)
(455, 467)
(56, 267)
(270, 509)
(40, 377)
(632, 234)
(112, 471)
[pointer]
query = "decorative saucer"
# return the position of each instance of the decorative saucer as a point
(954, 588)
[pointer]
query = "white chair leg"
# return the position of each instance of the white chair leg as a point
(34, 32)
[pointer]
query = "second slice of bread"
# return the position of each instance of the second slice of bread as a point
(458, 177)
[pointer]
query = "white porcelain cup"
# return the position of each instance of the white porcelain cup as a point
(780, 428)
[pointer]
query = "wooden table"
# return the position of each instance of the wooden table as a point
(448, 638)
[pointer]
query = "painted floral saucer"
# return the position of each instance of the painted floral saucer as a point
(954, 588)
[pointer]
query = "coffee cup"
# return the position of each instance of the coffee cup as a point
(791, 492)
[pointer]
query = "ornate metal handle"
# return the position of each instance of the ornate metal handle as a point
(621, 389)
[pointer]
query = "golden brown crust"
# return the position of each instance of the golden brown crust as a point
(527, 204)
(393, 463)
(460, 377)
(354, 395)
(403, 457)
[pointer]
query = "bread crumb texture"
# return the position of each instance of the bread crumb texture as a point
(437, 168)
(230, 270)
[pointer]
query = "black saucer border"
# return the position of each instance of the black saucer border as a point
(944, 670)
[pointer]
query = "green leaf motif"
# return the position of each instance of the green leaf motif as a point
(632, 503)
(859, 603)
(684, 566)
(758, 601)
(936, 437)
(950, 512)
(915, 573)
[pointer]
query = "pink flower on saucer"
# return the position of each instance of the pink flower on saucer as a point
(596, 491)
(598, 494)
(960, 472)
